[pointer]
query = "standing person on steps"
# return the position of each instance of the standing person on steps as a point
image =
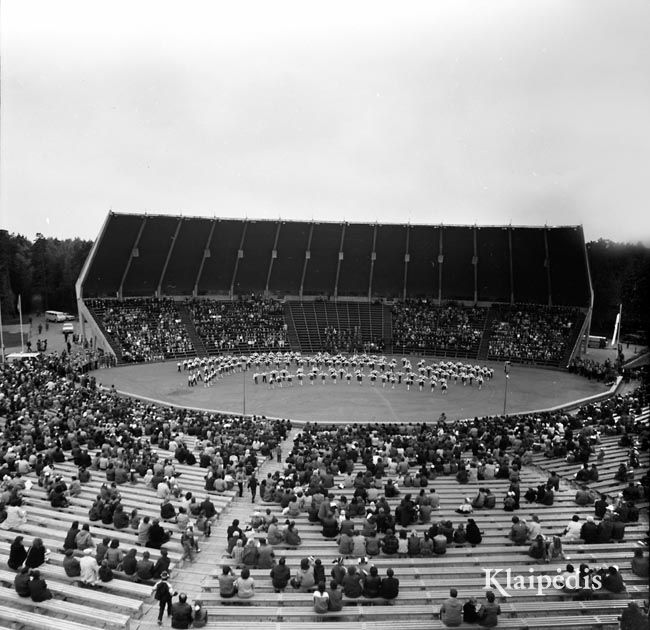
(163, 591)
(252, 484)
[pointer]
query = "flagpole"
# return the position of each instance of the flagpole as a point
(20, 313)
(506, 367)
(2, 337)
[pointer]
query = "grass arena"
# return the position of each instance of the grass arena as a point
(528, 389)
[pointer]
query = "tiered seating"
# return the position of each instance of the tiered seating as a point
(425, 582)
(37, 403)
(533, 334)
(340, 326)
(246, 325)
(448, 331)
(613, 455)
(143, 329)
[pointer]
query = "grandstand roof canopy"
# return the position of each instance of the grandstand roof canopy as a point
(145, 255)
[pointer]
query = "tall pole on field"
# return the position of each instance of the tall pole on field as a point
(506, 369)
(244, 390)
(20, 314)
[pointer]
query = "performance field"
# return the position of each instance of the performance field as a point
(528, 389)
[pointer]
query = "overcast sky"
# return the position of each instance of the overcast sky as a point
(448, 111)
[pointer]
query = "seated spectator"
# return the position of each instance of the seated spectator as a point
(144, 568)
(105, 572)
(181, 613)
(489, 611)
(633, 618)
(389, 585)
(321, 599)
(89, 571)
(352, 583)
(372, 583)
(71, 564)
(21, 582)
(613, 581)
(130, 564)
(589, 531)
(518, 531)
(554, 549)
(573, 530)
(200, 614)
(304, 579)
(227, 581)
(245, 584)
(451, 610)
(280, 575)
(473, 533)
(335, 602)
(640, 564)
(38, 590)
(17, 553)
(36, 554)
(470, 611)
(537, 549)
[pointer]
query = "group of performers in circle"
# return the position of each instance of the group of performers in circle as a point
(287, 368)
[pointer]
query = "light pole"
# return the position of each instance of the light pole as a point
(244, 391)
(506, 369)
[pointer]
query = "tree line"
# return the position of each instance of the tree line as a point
(44, 270)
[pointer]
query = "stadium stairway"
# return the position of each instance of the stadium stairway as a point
(191, 577)
(188, 322)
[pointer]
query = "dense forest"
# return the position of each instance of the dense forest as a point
(44, 271)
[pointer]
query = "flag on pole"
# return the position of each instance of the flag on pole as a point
(506, 368)
(20, 314)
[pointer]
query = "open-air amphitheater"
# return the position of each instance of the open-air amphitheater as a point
(223, 299)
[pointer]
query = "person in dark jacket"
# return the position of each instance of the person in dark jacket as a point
(157, 535)
(130, 563)
(181, 613)
(105, 572)
(144, 567)
(389, 585)
(200, 615)
(38, 590)
(35, 554)
(589, 531)
(280, 575)
(162, 564)
(21, 582)
(372, 583)
(71, 564)
(470, 611)
(473, 533)
(69, 542)
(351, 584)
(17, 553)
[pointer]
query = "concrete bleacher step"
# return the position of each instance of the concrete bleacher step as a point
(59, 608)
(36, 621)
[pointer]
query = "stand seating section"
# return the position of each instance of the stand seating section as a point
(147, 329)
(425, 582)
(114, 603)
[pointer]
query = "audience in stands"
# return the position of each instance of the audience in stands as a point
(528, 333)
(143, 329)
(247, 324)
(450, 330)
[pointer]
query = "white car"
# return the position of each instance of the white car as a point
(67, 328)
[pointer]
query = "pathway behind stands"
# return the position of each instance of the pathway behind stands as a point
(190, 579)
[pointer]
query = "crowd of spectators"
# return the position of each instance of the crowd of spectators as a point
(528, 333)
(52, 413)
(605, 372)
(337, 340)
(246, 324)
(449, 330)
(144, 329)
